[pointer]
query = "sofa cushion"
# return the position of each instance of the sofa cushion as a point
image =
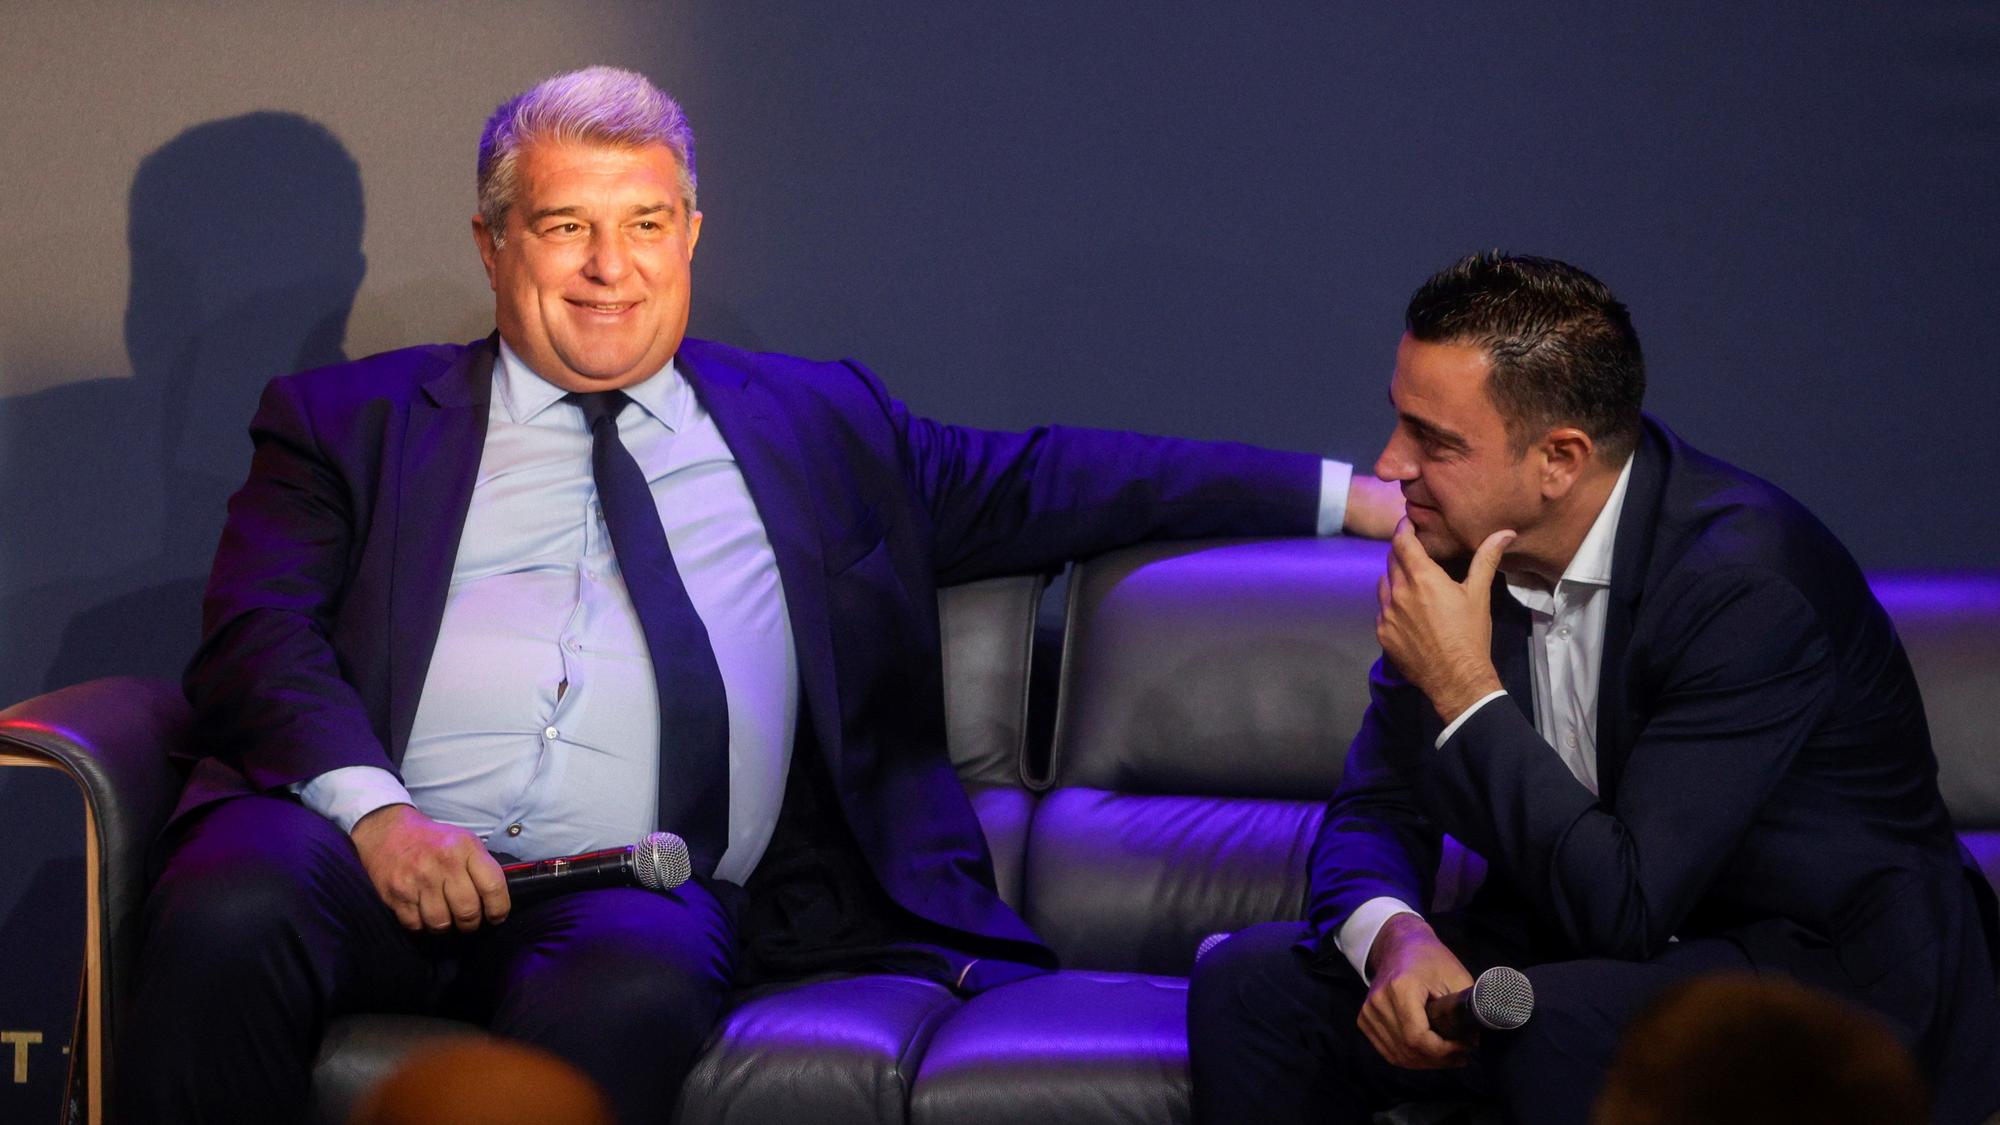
(987, 631)
(1004, 812)
(1071, 1047)
(1134, 882)
(1117, 881)
(1232, 669)
(840, 1050)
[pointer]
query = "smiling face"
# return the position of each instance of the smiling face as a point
(1460, 472)
(591, 281)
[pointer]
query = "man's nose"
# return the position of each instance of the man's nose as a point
(1395, 463)
(610, 259)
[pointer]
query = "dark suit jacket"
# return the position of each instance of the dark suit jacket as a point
(1764, 768)
(330, 581)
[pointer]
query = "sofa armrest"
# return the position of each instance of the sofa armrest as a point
(112, 736)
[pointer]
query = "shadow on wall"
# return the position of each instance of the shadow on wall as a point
(245, 237)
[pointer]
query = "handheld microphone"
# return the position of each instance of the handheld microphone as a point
(1501, 999)
(658, 863)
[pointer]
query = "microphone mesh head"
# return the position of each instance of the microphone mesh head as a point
(1208, 943)
(660, 861)
(1502, 999)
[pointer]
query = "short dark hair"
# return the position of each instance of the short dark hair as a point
(1562, 346)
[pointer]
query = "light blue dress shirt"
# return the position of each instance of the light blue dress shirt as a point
(538, 726)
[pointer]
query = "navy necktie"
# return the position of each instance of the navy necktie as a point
(694, 711)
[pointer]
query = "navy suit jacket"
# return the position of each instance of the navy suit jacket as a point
(1765, 776)
(330, 581)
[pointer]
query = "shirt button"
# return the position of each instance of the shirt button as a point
(1570, 741)
(513, 830)
(549, 732)
(1564, 630)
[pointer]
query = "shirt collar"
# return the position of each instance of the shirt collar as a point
(526, 395)
(1591, 565)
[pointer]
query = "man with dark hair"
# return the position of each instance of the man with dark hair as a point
(547, 592)
(1681, 732)
(1562, 346)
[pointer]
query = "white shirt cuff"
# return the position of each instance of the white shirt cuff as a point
(349, 793)
(1334, 477)
(1445, 736)
(1357, 934)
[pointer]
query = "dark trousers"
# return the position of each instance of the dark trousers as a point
(1273, 1039)
(263, 926)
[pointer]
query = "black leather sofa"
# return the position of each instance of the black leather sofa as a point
(1206, 694)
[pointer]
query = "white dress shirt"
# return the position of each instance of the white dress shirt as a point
(1565, 660)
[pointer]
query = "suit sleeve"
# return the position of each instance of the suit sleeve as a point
(1731, 704)
(1011, 502)
(1375, 841)
(265, 683)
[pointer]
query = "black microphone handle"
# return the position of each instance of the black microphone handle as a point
(609, 868)
(1451, 1016)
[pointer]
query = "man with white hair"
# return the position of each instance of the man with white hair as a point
(584, 579)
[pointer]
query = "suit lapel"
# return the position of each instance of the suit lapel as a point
(766, 445)
(1631, 554)
(442, 438)
(1614, 692)
(1511, 628)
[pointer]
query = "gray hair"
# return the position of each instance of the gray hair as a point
(597, 105)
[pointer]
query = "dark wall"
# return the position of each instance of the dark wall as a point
(1160, 217)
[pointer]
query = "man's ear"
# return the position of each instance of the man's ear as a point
(483, 239)
(1565, 454)
(694, 233)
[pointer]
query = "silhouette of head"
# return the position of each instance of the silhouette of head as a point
(245, 236)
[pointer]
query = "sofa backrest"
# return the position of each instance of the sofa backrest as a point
(1207, 694)
(1950, 626)
(986, 633)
